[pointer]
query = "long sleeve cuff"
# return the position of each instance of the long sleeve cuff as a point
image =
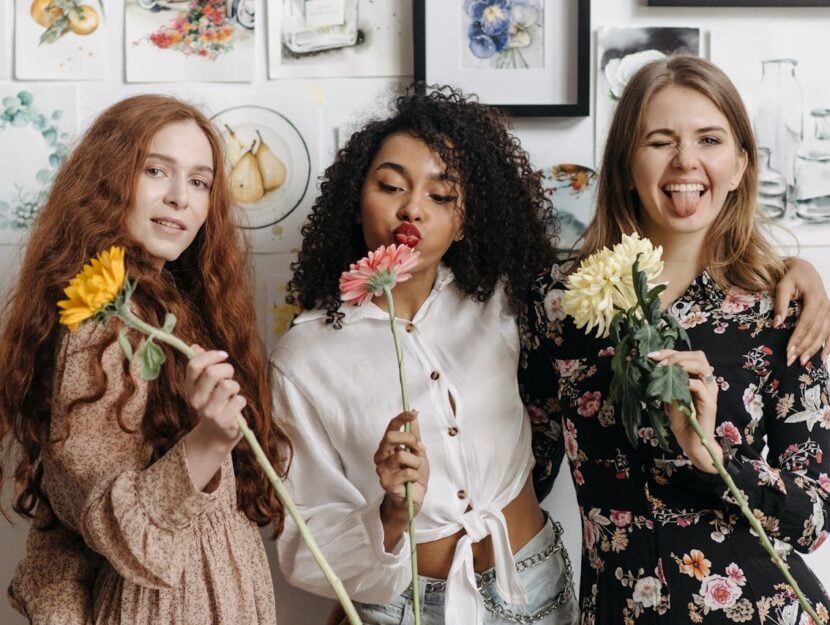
(166, 491)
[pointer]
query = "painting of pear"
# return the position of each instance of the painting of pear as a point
(234, 146)
(272, 169)
(246, 181)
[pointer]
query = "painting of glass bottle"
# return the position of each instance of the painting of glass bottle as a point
(772, 187)
(778, 115)
(316, 25)
(812, 171)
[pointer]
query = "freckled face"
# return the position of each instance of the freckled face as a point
(172, 195)
(407, 197)
(686, 163)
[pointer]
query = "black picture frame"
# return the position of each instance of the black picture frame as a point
(739, 3)
(582, 54)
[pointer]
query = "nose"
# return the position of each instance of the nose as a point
(410, 209)
(176, 195)
(685, 157)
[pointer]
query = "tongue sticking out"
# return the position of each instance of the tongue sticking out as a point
(685, 202)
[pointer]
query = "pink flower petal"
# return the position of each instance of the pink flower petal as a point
(388, 264)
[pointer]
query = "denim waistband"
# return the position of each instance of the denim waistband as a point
(538, 549)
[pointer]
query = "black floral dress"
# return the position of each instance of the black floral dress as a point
(662, 541)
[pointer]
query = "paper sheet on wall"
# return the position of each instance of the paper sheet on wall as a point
(58, 45)
(374, 39)
(195, 40)
(37, 125)
(272, 140)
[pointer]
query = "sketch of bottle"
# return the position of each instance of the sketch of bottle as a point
(772, 187)
(778, 118)
(812, 171)
(314, 25)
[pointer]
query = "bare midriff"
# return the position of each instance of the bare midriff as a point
(524, 519)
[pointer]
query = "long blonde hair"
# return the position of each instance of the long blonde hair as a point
(737, 254)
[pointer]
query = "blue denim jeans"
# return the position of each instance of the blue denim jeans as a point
(544, 569)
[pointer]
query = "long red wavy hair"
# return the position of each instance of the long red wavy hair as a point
(208, 288)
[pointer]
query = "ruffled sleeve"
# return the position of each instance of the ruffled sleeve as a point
(52, 585)
(345, 525)
(99, 480)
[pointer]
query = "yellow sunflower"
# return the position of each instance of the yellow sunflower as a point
(97, 285)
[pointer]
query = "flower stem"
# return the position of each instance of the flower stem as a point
(165, 337)
(744, 506)
(410, 506)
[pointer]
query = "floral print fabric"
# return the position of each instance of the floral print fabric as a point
(661, 538)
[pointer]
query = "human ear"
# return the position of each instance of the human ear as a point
(743, 160)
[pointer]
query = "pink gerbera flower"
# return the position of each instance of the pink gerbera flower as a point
(384, 267)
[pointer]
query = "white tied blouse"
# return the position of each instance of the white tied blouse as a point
(337, 390)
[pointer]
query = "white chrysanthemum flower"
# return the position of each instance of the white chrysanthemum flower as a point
(604, 283)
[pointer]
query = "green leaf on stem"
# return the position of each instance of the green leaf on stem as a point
(668, 384)
(151, 357)
(648, 339)
(169, 323)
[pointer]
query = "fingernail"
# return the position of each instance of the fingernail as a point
(662, 363)
(414, 413)
(223, 353)
(804, 359)
(777, 321)
(653, 354)
(790, 358)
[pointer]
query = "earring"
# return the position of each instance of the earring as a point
(459, 237)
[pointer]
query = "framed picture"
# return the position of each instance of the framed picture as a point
(530, 58)
(739, 3)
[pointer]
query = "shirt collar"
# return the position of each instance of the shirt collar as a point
(353, 314)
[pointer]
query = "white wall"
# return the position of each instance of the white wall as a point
(549, 141)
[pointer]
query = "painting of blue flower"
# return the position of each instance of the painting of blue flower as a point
(503, 34)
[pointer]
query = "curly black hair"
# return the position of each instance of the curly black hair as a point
(506, 214)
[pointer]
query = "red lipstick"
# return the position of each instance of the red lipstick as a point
(407, 234)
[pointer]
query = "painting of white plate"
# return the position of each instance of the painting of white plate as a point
(269, 162)
(572, 189)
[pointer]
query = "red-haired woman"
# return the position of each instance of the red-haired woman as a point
(145, 508)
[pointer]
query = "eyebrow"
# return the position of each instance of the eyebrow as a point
(173, 161)
(700, 131)
(402, 170)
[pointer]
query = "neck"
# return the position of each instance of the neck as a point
(409, 296)
(682, 261)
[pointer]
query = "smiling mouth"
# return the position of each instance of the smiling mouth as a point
(173, 225)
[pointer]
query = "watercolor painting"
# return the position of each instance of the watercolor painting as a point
(780, 70)
(572, 190)
(270, 165)
(37, 124)
(344, 38)
(272, 141)
(621, 51)
(204, 40)
(502, 34)
(60, 40)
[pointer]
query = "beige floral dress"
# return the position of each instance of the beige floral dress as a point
(137, 543)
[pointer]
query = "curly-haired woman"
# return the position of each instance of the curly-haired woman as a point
(145, 508)
(441, 174)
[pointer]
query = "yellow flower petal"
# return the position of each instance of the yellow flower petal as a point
(97, 284)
